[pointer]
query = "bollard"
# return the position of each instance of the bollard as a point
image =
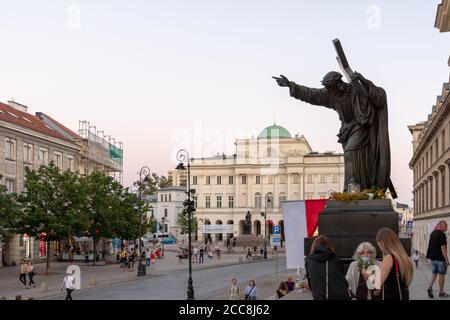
(44, 286)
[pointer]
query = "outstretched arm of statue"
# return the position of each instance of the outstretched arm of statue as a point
(318, 97)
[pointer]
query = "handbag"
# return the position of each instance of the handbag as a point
(397, 273)
(247, 296)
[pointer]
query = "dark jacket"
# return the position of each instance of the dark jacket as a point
(316, 274)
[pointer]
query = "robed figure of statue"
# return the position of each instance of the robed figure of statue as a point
(247, 228)
(363, 112)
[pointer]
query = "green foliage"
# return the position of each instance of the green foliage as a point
(9, 212)
(51, 203)
(183, 222)
(155, 183)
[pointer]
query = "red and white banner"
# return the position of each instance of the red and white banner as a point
(300, 222)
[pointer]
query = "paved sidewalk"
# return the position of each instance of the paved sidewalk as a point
(102, 275)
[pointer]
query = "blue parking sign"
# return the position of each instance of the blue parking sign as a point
(276, 230)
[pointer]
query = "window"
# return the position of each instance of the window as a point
(58, 160)
(335, 178)
(322, 178)
(170, 198)
(219, 201)
(162, 198)
(165, 213)
(71, 164)
(282, 179)
(244, 179)
(296, 179)
(208, 180)
(443, 141)
(194, 180)
(230, 201)
(10, 149)
(258, 179)
(437, 153)
(194, 198)
(258, 200)
(219, 180)
(165, 198)
(269, 200)
(10, 185)
(282, 198)
(230, 180)
(43, 157)
(270, 179)
(27, 152)
(208, 202)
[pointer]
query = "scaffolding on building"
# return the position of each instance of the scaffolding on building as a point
(101, 152)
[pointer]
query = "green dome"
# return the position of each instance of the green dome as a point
(274, 132)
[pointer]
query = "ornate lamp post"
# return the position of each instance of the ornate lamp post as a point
(145, 171)
(268, 200)
(163, 220)
(183, 157)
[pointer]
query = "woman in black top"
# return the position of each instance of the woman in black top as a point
(325, 272)
(396, 269)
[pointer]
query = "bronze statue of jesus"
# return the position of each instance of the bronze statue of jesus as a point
(362, 109)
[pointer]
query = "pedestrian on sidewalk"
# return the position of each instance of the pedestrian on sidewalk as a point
(282, 290)
(68, 284)
(290, 284)
(147, 257)
(250, 291)
(396, 269)
(249, 255)
(131, 261)
(235, 290)
(152, 257)
(23, 273)
(202, 251)
(195, 255)
(325, 272)
(416, 259)
(437, 253)
(31, 274)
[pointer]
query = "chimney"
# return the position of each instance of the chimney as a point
(18, 106)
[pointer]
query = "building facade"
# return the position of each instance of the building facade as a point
(169, 206)
(28, 140)
(431, 166)
(274, 166)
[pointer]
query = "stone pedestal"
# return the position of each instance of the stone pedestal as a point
(250, 240)
(348, 224)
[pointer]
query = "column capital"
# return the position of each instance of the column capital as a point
(435, 173)
(447, 162)
(441, 168)
(430, 177)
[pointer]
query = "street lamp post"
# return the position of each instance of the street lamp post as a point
(264, 214)
(163, 219)
(183, 157)
(145, 171)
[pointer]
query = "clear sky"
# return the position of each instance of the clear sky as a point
(161, 75)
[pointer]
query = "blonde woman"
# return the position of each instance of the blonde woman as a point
(365, 256)
(396, 268)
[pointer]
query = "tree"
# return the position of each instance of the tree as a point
(101, 207)
(183, 222)
(128, 218)
(51, 205)
(155, 183)
(9, 214)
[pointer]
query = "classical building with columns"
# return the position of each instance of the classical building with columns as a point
(274, 166)
(431, 166)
